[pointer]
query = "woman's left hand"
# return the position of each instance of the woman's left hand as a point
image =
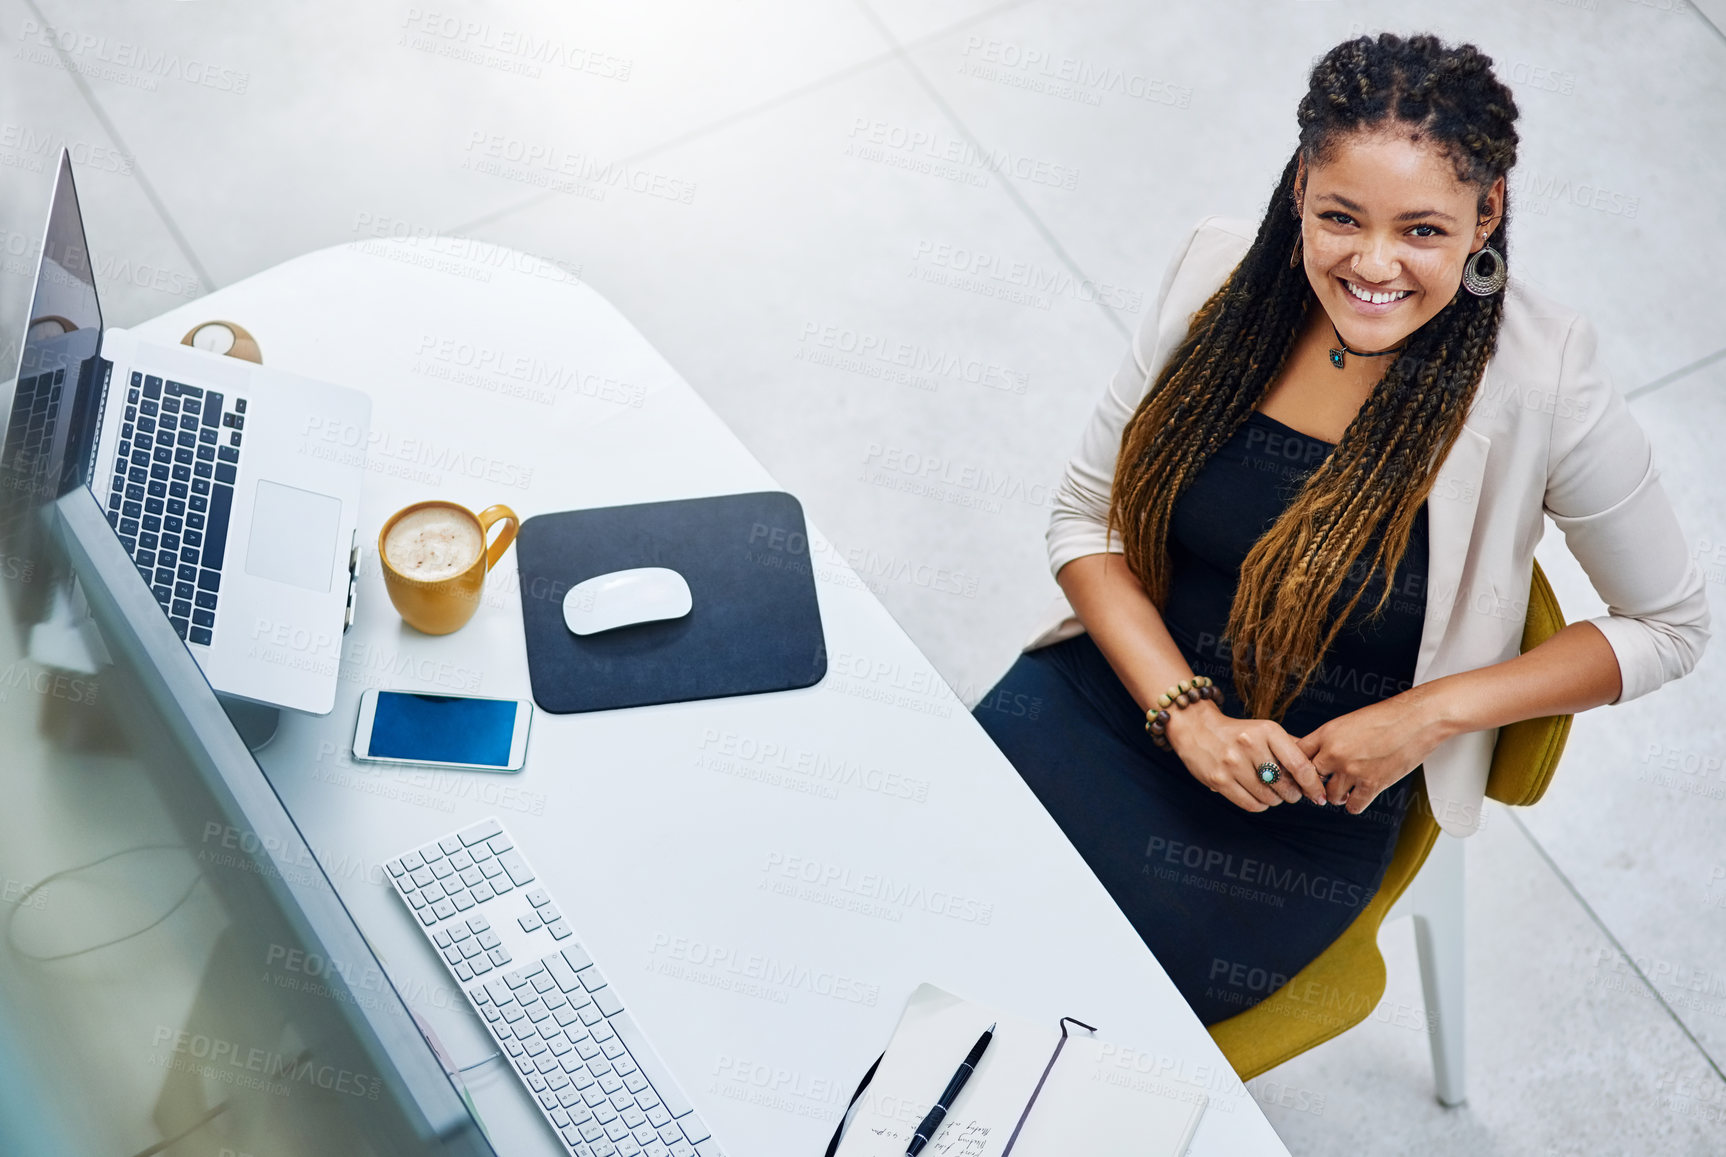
(1362, 753)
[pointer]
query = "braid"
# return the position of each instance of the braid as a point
(1355, 513)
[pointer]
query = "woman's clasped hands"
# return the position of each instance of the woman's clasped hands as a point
(1346, 762)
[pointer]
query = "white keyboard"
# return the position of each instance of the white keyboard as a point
(556, 1018)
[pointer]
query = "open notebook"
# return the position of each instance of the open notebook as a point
(1089, 1103)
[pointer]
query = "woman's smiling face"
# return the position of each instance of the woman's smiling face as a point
(1386, 228)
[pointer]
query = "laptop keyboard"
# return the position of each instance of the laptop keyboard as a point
(173, 493)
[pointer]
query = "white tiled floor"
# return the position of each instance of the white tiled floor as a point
(769, 190)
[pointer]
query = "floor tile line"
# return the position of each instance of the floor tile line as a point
(113, 131)
(1681, 371)
(1613, 939)
(1004, 185)
(1709, 21)
(892, 53)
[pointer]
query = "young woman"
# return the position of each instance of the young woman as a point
(1355, 389)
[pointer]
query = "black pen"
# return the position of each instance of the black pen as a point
(939, 1113)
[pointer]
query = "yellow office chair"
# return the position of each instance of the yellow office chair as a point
(1342, 987)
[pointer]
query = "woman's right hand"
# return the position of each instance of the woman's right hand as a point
(1224, 754)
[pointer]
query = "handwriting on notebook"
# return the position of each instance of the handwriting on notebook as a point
(955, 1138)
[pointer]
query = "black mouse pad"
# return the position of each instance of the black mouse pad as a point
(753, 623)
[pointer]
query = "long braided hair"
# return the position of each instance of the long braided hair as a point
(1372, 485)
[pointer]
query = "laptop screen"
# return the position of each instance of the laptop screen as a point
(50, 420)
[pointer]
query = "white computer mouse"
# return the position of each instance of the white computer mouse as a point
(623, 598)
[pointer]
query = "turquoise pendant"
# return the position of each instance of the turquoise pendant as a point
(1336, 358)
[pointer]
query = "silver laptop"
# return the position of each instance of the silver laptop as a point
(205, 467)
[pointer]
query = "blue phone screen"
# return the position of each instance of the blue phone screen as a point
(443, 728)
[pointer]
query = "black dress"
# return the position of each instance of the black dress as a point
(1231, 902)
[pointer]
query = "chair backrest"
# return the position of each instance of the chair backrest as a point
(1526, 754)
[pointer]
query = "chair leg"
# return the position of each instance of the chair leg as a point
(1439, 941)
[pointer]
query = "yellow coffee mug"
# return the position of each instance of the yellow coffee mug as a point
(432, 584)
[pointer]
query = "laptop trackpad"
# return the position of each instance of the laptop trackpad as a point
(293, 536)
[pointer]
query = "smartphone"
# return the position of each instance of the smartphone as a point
(462, 731)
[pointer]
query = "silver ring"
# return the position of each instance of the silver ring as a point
(1269, 772)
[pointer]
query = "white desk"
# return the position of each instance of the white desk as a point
(681, 839)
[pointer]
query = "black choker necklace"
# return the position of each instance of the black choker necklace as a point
(1336, 354)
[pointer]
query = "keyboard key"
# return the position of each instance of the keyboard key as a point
(212, 408)
(206, 453)
(163, 594)
(203, 618)
(200, 483)
(225, 472)
(648, 1062)
(240, 405)
(181, 626)
(146, 559)
(216, 533)
(152, 387)
(207, 437)
(519, 873)
(164, 576)
(227, 454)
(207, 600)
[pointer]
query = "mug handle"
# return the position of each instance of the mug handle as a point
(489, 517)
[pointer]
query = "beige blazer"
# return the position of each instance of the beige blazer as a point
(1547, 435)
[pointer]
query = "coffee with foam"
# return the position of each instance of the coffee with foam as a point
(433, 543)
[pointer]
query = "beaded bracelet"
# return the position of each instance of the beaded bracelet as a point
(1182, 694)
